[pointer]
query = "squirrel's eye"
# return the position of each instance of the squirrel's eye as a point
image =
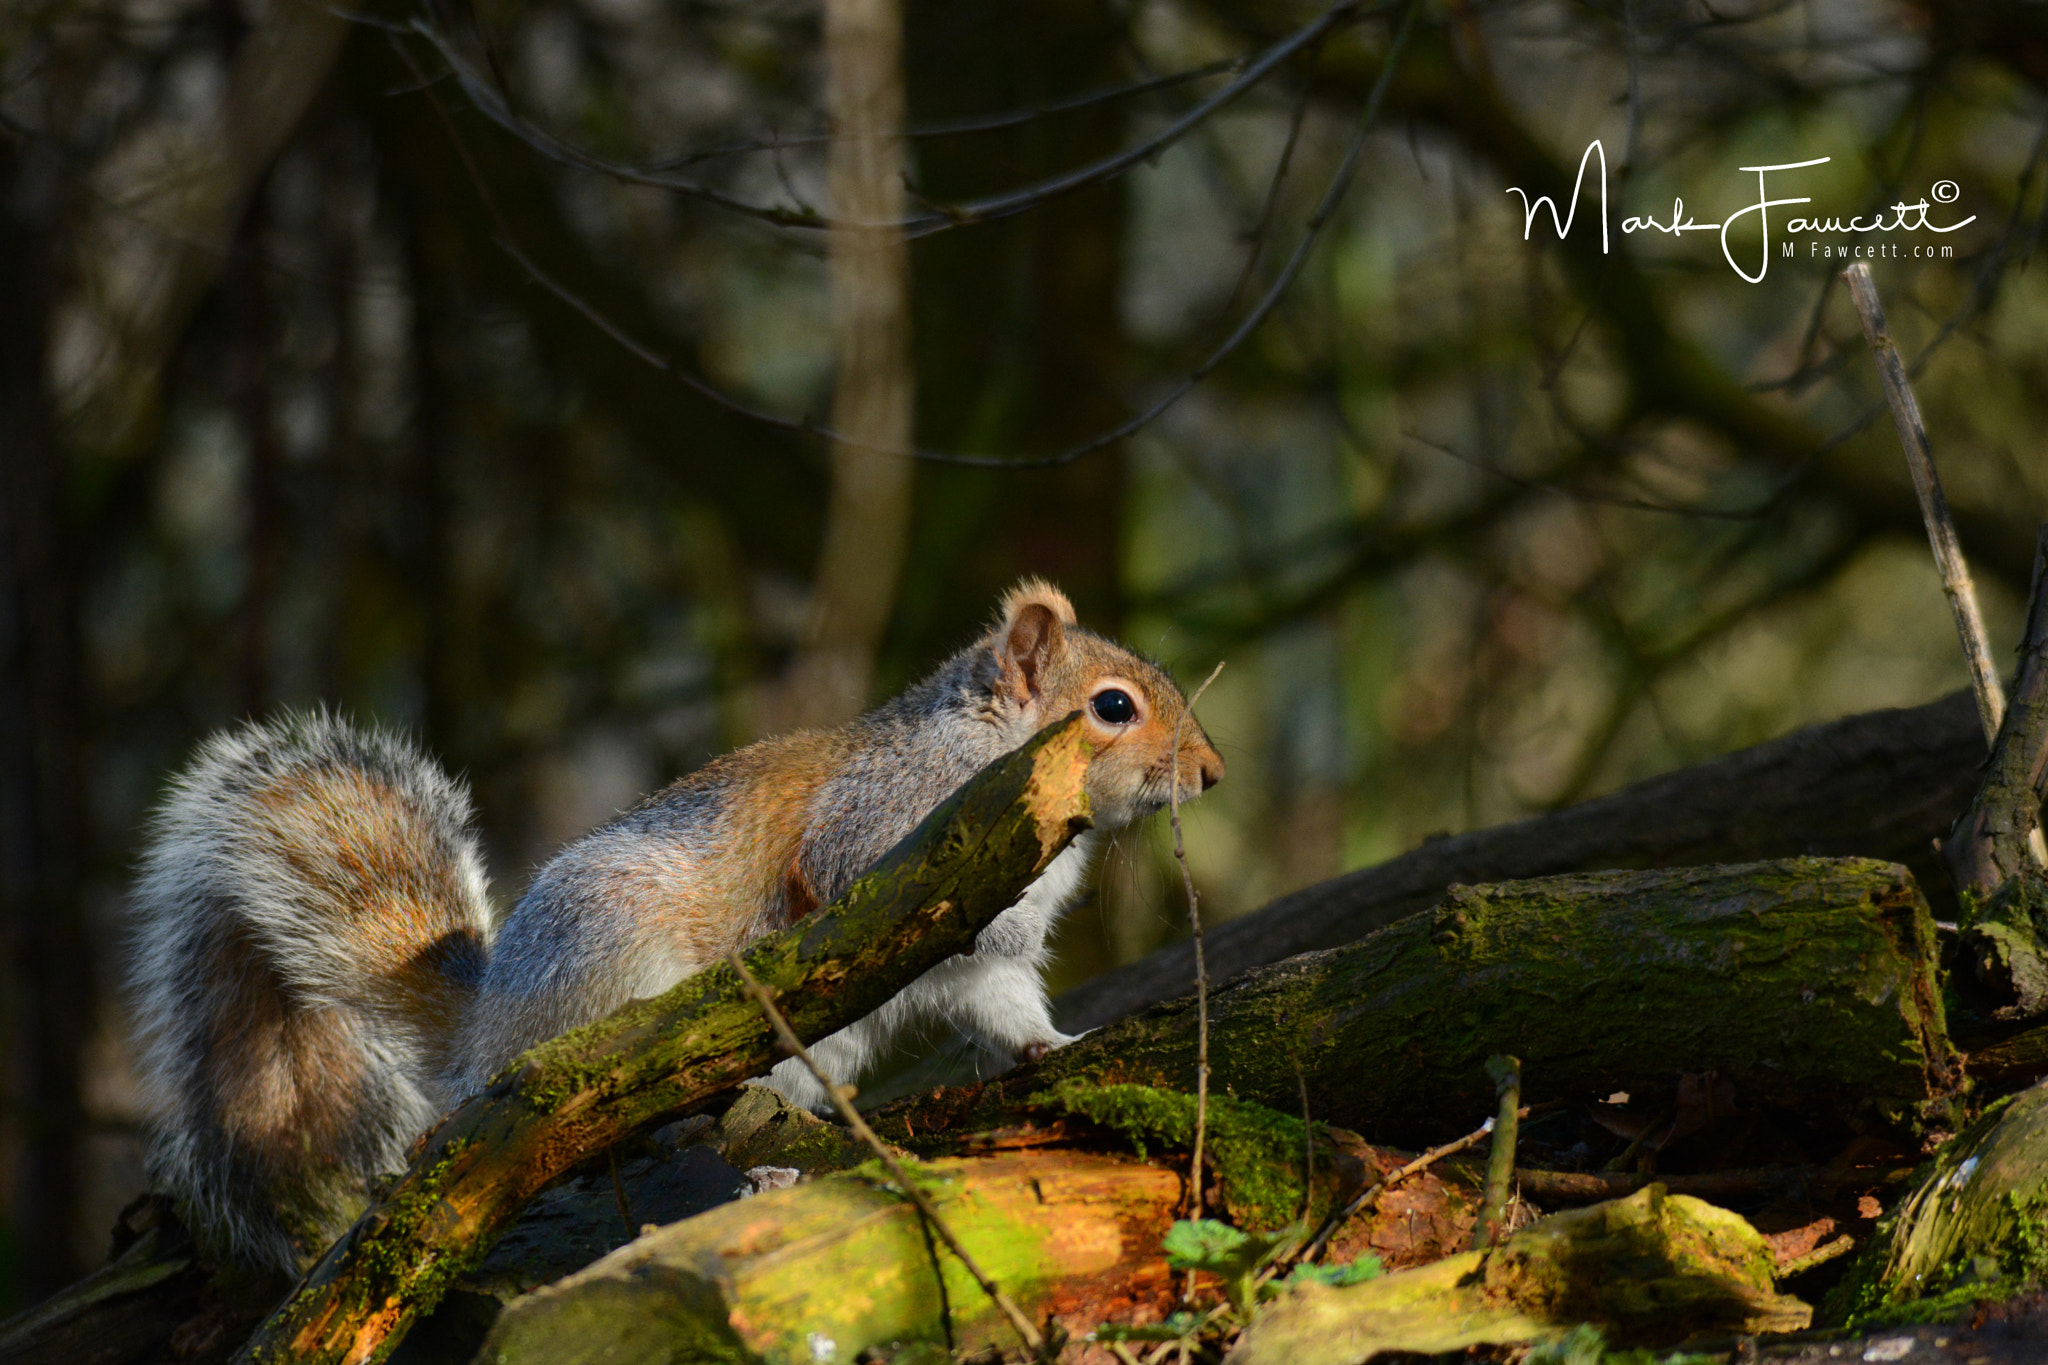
(1113, 706)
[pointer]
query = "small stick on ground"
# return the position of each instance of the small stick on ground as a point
(1593, 1187)
(1033, 1340)
(619, 1189)
(1421, 1163)
(1941, 528)
(1187, 878)
(1500, 1162)
(1308, 1146)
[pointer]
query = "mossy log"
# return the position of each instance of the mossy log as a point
(1650, 1270)
(578, 1094)
(827, 1270)
(1885, 784)
(1808, 982)
(1970, 1229)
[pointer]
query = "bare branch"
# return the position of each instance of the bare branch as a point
(1941, 529)
(960, 127)
(1333, 195)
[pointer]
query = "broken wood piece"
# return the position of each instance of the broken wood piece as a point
(829, 1269)
(575, 1096)
(1650, 1270)
(1809, 982)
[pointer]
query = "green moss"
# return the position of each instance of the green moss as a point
(1970, 1277)
(1256, 1152)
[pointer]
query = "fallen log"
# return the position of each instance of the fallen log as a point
(1808, 982)
(577, 1095)
(825, 1271)
(1969, 1230)
(1651, 1269)
(1881, 785)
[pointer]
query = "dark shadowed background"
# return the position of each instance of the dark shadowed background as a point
(360, 357)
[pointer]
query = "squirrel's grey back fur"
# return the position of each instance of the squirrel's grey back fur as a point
(261, 1010)
(589, 935)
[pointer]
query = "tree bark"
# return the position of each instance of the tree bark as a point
(1808, 982)
(1995, 854)
(1881, 785)
(579, 1094)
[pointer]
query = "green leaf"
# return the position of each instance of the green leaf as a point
(1205, 1244)
(1336, 1276)
(1178, 1327)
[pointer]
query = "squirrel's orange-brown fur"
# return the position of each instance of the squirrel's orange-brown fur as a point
(319, 970)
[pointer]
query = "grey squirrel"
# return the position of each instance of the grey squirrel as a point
(319, 972)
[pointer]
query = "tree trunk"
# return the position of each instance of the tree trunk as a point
(1996, 854)
(1809, 982)
(1881, 785)
(579, 1094)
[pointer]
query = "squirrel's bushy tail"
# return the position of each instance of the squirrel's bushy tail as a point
(311, 919)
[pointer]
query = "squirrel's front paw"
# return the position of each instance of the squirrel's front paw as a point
(1038, 1047)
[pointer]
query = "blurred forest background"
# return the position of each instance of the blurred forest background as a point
(409, 356)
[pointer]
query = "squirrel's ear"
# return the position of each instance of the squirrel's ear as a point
(1032, 635)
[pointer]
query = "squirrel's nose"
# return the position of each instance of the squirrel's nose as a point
(1211, 764)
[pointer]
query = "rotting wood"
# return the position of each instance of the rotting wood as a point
(576, 1095)
(1651, 1269)
(829, 1269)
(935, 1222)
(1807, 982)
(1970, 1228)
(1885, 784)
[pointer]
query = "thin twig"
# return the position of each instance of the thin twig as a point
(1500, 1162)
(985, 123)
(491, 101)
(1333, 195)
(1033, 1340)
(1180, 854)
(619, 1189)
(1941, 528)
(1308, 1146)
(1421, 1163)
